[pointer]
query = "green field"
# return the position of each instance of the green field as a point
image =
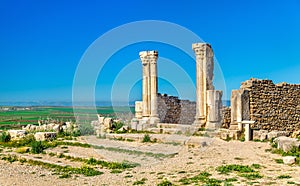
(16, 118)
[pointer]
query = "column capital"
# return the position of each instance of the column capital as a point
(201, 48)
(148, 57)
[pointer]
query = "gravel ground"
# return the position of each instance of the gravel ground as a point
(189, 161)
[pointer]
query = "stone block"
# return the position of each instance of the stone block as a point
(224, 136)
(259, 134)
(57, 128)
(263, 136)
(286, 143)
(43, 136)
(101, 120)
(289, 160)
(134, 124)
(17, 133)
(140, 127)
(139, 109)
(275, 134)
(123, 129)
(108, 123)
(69, 125)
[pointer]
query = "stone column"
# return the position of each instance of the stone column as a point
(248, 132)
(153, 55)
(138, 109)
(146, 85)
(214, 106)
(204, 76)
(236, 110)
(240, 110)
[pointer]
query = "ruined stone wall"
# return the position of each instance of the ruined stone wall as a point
(226, 117)
(173, 110)
(274, 107)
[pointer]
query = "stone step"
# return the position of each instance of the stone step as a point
(169, 125)
(164, 130)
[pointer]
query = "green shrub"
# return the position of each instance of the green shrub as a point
(280, 161)
(256, 166)
(202, 177)
(230, 179)
(37, 147)
(117, 125)
(146, 138)
(252, 176)
(10, 158)
(165, 183)
(5, 137)
(224, 169)
(65, 175)
(76, 133)
(140, 182)
(284, 176)
(116, 171)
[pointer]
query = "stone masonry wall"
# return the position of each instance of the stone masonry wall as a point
(226, 117)
(274, 107)
(173, 110)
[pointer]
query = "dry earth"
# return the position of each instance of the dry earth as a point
(188, 161)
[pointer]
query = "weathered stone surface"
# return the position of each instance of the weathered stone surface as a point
(239, 107)
(108, 123)
(214, 107)
(42, 136)
(275, 134)
(204, 79)
(289, 160)
(123, 128)
(273, 107)
(260, 134)
(57, 128)
(17, 133)
(100, 119)
(149, 104)
(224, 135)
(296, 134)
(66, 127)
(286, 143)
(226, 117)
(138, 109)
(134, 124)
(173, 110)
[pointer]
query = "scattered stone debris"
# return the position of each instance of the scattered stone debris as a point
(64, 127)
(15, 134)
(289, 160)
(286, 144)
(43, 136)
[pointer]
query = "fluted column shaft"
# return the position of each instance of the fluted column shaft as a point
(149, 61)
(146, 85)
(153, 83)
(204, 75)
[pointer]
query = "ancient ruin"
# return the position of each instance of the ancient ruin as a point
(257, 108)
(147, 109)
(272, 107)
(208, 104)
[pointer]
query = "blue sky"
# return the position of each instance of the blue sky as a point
(42, 42)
